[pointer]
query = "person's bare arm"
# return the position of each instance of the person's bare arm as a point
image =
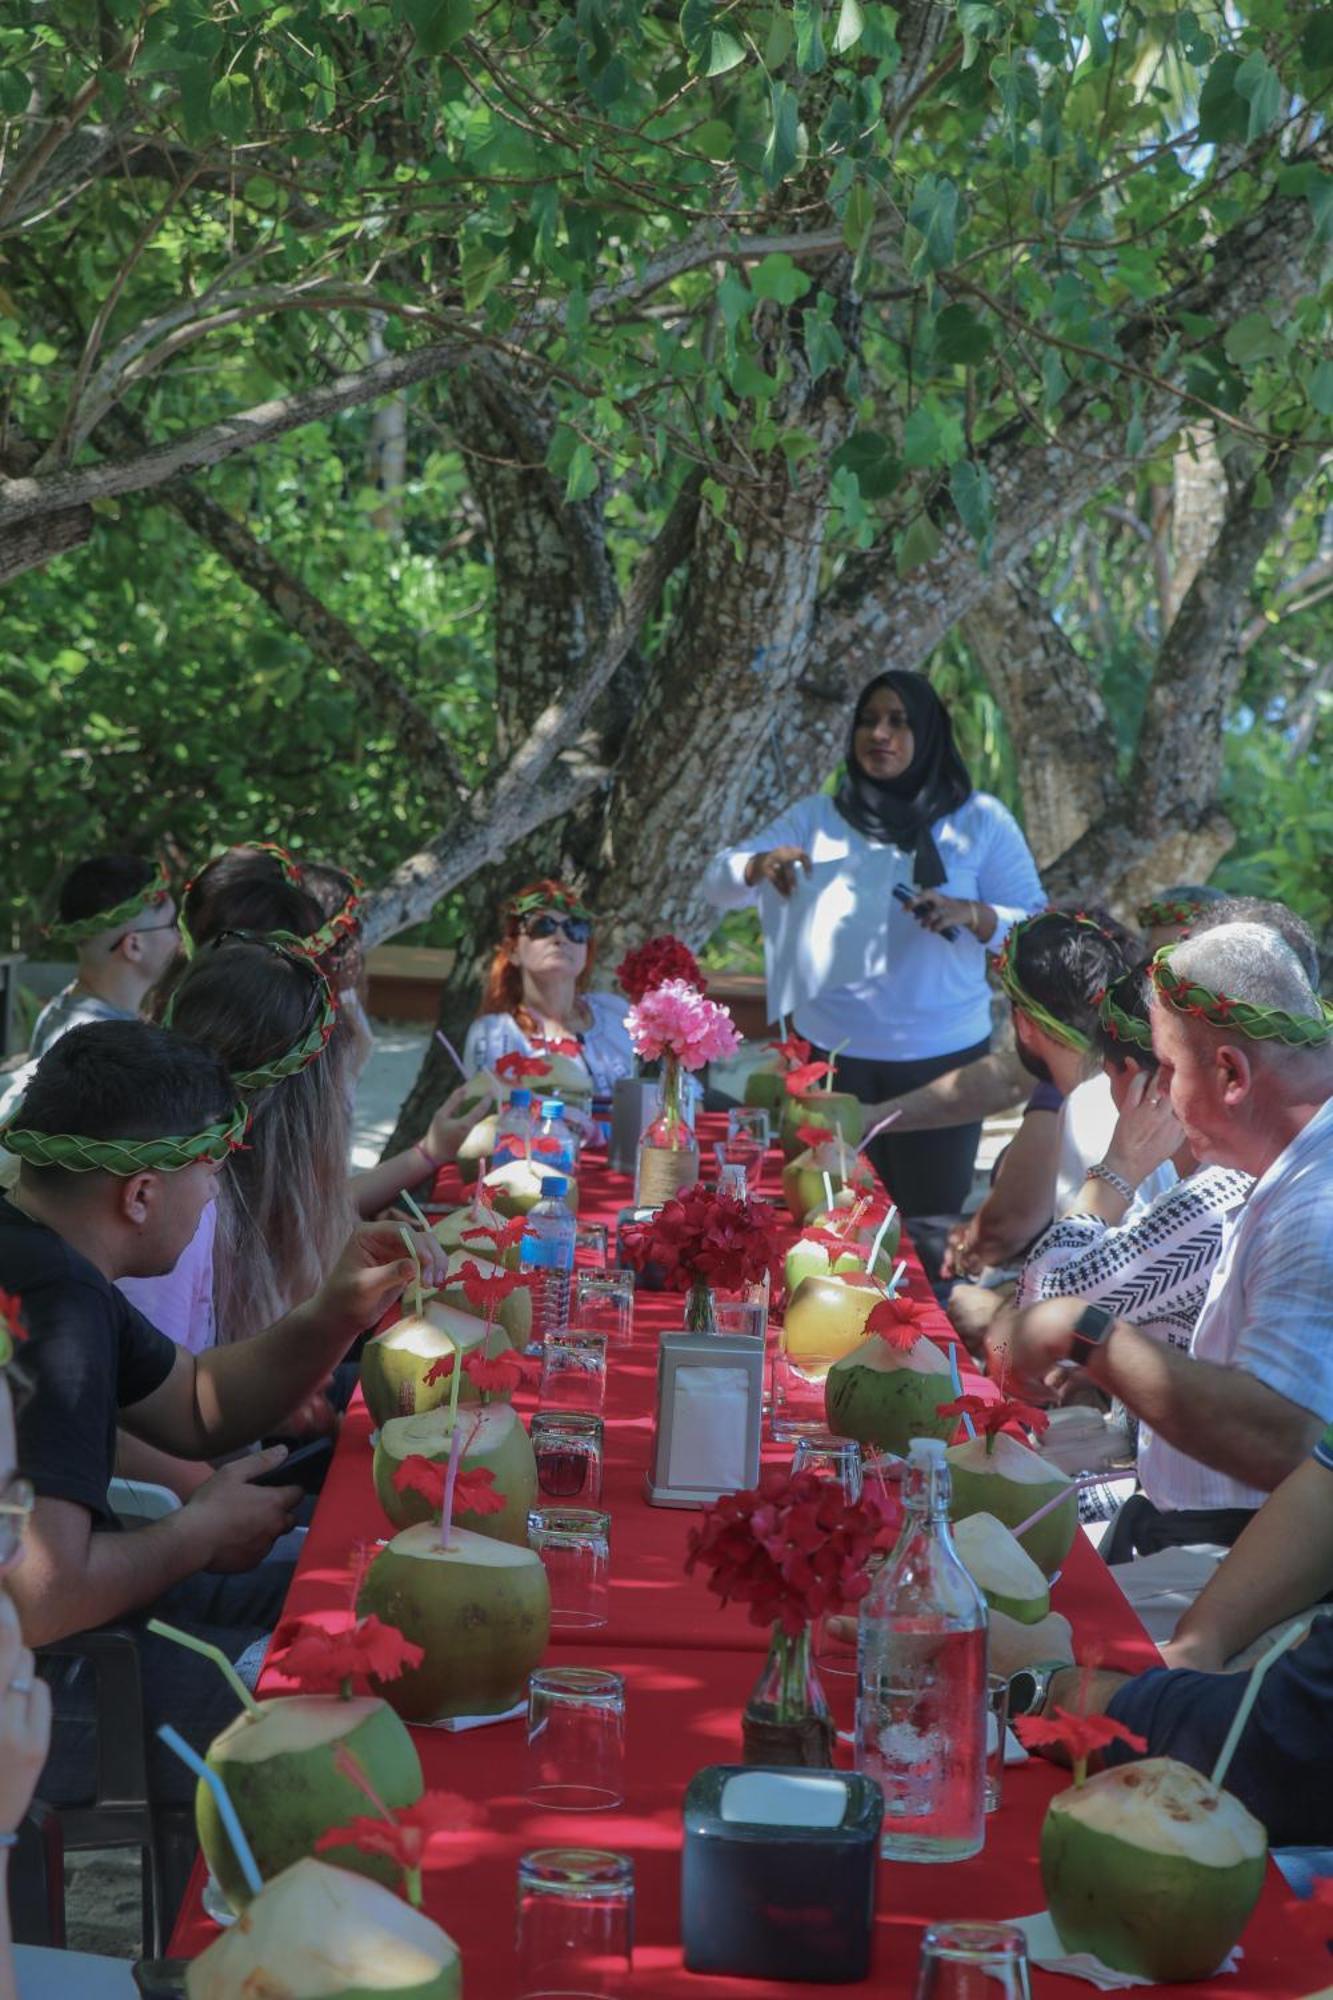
(137, 1460)
(375, 1188)
(72, 1579)
(980, 1089)
(1280, 1566)
(1019, 1203)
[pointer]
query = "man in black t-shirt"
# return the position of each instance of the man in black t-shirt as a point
(120, 1134)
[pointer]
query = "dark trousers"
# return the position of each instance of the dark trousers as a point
(926, 1173)
(178, 1687)
(1140, 1529)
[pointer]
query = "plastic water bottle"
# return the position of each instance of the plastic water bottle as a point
(513, 1132)
(546, 1257)
(555, 1145)
(921, 1701)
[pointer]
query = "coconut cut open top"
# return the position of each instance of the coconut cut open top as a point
(1009, 1460)
(1166, 1808)
(997, 1560)
(439, 1330)
(423, 1541)
(289, 1724)
(486, 1427)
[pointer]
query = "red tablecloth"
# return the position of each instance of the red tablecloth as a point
(689, 1667)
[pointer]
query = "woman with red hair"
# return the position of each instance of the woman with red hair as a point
(537, 992)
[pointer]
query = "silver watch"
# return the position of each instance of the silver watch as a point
(1029, 1687)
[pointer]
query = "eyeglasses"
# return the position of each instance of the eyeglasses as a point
(577, 929)
(15, 1513)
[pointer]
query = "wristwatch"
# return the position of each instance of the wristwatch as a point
(1090, 1330)
(1029, 1687)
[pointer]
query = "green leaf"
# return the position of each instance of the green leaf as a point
(42, 354)
(15, 90)
(1223, 113)
(934, 213)
(808, 18)
(436, 24)
(850, 28)
(1257, 82)
(715, 139)
(923, 439)
(229, 104)
(780, 152)
(724, 52)
(871, 457)
(581, 479)
(1320, 388)
(779, 278)
(482, 267)
(824, 345)
(920, 544)
(1317, 41)
(961, 339)
(980, 21)
(858, 215)
(974, 496)
(1253, 339)
(1319, 194)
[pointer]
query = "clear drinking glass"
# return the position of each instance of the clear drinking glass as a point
(573, 1370)
(590, 1247)
(604, 1301)
(747, 1316)
(743, 1151)
(575, 1545)
(798, 1391)
(576, 1739)
(834, 1458)
(973, 1962)
(997, 1723)
(575, 1923)
(568, 1448)
(749, 1119)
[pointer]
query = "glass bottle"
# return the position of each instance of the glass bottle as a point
(668, 1160)
(921, 1700)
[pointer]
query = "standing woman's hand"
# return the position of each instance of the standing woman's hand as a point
(935, 912)
(778, 866)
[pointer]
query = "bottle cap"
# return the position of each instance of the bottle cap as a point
(553, 1186)
(521, 1098)
(553, 1107)
(927, 1451)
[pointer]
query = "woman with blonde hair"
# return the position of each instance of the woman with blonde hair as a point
(537, 993)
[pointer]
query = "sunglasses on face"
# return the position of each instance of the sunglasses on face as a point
(16, 1504)
(577, 929)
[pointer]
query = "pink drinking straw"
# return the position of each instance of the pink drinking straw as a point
(451, 1052)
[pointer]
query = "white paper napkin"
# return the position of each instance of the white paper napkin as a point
(1014, 1753)
(458, 1723)
(1046, 1950)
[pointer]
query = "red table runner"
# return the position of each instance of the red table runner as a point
(689, 1666)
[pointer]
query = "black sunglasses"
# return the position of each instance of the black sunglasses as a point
(577, 929)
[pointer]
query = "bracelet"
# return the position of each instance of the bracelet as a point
(433, 1164)
(1101, 1172)
(974, 919)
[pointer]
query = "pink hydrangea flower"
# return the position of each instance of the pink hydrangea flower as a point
(675, 1019)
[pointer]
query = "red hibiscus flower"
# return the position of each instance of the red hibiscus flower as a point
(13, 1326)
(557, 1045)
(653, 963)
(475, 1491)
(991, 1415)
(501, 1374)
(512, 1068)
(897, 1322)
(486, 1289)
(805, 1077)
(327, 1662)
(506, 1237)
(792, 1052)
(706, 1237)
(818, 1135)
(793, 1549)
(403, 1837)
(1078, 1735)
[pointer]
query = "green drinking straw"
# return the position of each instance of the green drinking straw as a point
(411, 1249)
(1294, 1631)
(213, 1653)
(254, 1881)
(413, 1210)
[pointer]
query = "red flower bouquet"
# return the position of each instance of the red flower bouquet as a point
(702, 1237)
(653, 963)
(794, 1549)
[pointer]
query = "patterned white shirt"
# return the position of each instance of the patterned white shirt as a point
(1269, 1310)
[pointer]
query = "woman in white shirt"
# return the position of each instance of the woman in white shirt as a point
(900, 990)
(537, 993)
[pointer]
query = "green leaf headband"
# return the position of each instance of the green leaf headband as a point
(340, 925)
(1258, 1024)
(558, 899)
(158, 886)
(1006, 973)
(313, 1038)
(1122, 1026)
(123, 1157)
(1151, 915)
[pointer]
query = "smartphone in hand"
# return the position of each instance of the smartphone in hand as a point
(909, 900)
(305, 1467)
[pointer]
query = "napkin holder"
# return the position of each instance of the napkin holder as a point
(633, 1108)
(778, 1873)
(710, 1405)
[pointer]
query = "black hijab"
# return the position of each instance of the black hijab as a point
(899, 812)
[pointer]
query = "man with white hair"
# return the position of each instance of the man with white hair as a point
(1245, 1047)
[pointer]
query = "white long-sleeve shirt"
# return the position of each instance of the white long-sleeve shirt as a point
(851, 965)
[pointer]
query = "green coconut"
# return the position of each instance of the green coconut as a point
(448, 1231)
(808, 1259)
(514, 1314)
(1002, 1477)
(565, 1077)
(493, 1440)
(883, 1396)
(826, 1317)
(279, 1769)
(516, 1188)
(1152, 1869)
(480, 1608)
(764, 1085)
(1011, 1645)
(321, 1933)
(479, 1089)
(479, 1144)
(394, 1365)
(1002, 1569)
(803, 1178)
(828, 1110)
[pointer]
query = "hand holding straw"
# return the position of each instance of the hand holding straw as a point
(254, 1881)
(411, 1249)
(160, 1628)
(414, 1211)
(1294, 1631)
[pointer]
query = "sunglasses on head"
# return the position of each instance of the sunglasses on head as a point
(577, 929)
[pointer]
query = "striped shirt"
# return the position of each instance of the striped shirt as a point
(1269, 1310)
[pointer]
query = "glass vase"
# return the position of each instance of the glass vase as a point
(668, 1151)
(787, 1719)
(700, 1308)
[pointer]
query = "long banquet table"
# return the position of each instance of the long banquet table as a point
(689, 1665)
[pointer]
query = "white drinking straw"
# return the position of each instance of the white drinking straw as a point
(828, 1192)
(411, 1249)
(954, 1371)
(451, 1476)
(880, 1234)
(899, 1272)
(1294, 1631)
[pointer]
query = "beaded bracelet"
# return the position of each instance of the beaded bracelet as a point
(1099, 1171)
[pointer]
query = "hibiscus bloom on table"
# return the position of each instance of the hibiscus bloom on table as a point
(650, 965)
(898, 1324)
(992, 1414)
(403, 1837)
(791, 1051)
(804, 1078)
(676, 1020)
(705, 1237)
(515, 1066)
(475, 1490)
(793, 1549)
(1079, 1736)
(325, 1662)
(490, 1375)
